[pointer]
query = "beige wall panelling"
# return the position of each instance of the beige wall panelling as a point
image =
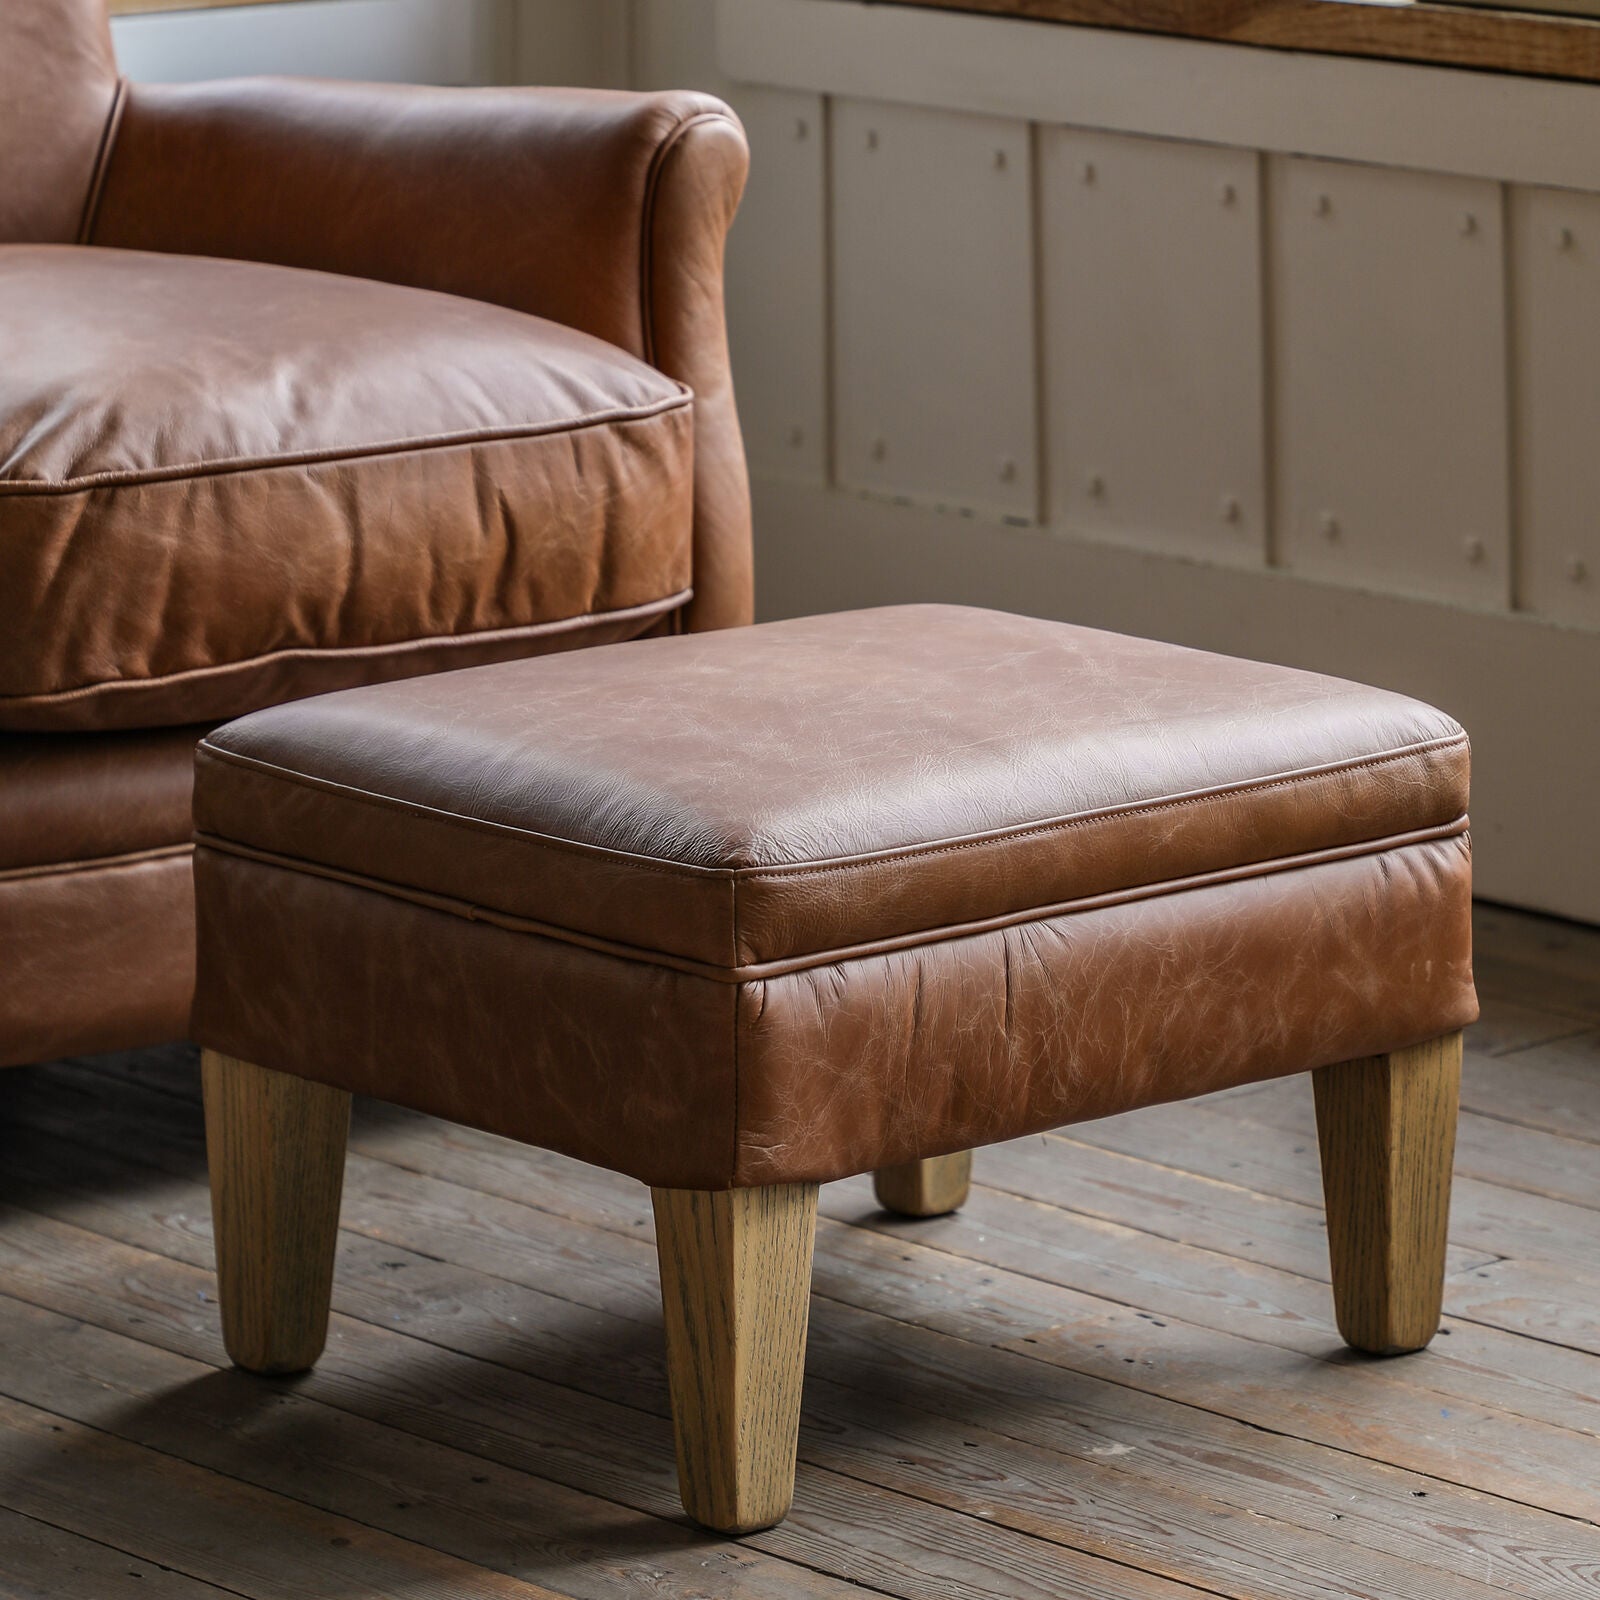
(1151, 263)
(778, 286)
(934, 347)
(1389, 380)
(1555, 299)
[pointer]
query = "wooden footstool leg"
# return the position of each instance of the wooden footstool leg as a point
(276, 1147)
(1387, 1127)
(930, 1188)
(735, 1290)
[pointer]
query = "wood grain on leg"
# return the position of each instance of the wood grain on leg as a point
(735, 1290)
(1387, 1128)
(930, 1188)
(276, 1147)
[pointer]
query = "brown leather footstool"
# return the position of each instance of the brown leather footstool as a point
(738, 913)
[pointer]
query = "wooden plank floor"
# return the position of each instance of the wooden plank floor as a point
(1115, 1375)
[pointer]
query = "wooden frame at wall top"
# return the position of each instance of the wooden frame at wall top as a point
(1530, 43)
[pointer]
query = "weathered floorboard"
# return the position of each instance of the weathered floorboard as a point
(1095, 1428)
(39, 1561)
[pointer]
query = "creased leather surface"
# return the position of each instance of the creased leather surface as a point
(615, 1062)
(283, 466)
(58, 81)
(805, 787)
(962, 1043)
(79, 797)
(94, 957)
(603, 211)
(687, 1083)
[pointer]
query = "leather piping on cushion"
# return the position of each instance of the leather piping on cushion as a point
(756, 971)
(714, 918)
(820, 1073)
(181, 471)
(96, 956)
(216, 693)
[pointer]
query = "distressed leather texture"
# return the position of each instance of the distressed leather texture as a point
(819, 896)
(304, 481)
(58, 92)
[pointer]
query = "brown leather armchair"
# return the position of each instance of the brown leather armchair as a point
(304, 385)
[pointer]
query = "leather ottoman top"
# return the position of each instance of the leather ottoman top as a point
(747, 803)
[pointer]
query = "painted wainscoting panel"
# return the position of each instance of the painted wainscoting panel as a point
(1150, 258)
(1555, 301)
(933, 302)
(1389, 344)
(778, 286)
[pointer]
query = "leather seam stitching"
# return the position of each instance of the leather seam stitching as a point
(102, 162)
(1106, 814)
(784, 966)
(647, 223)
(643, 863)
(110, 687)
(423, 444)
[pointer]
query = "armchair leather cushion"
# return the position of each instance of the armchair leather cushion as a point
(225, 484)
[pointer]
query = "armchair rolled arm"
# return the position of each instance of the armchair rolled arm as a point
(604, 211)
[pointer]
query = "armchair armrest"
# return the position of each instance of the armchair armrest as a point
(604, 211)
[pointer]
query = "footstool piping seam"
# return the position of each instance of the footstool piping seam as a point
(644, 863)
(785, 965)
(1084, 819)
